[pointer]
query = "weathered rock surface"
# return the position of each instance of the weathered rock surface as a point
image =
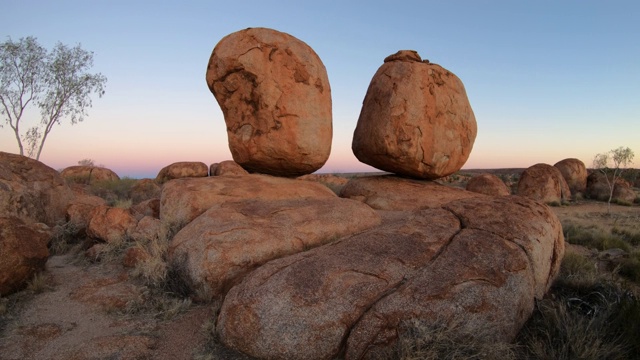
(415, 120)
(226, 242)
(228, 167)
(147, 229)
(23, 253)
(32, 191)
(575, 174)
(111, 225)
(624, 194)
(275, 96)
(333, 182)
(488, 184)
(144, 189)
(545, 183)
(184, 169)
(88, 174)
(185, 199)
(149, 207)
(387, 192)
(480, 261)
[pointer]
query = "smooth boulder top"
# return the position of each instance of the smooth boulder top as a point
(274, 92)
(416, 119)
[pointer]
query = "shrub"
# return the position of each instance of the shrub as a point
(113, 190)
(65, 237)
(632, 238)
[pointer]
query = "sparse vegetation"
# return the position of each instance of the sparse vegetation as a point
(115, 192)
(593, 238)
(38, 283)
(621, 158)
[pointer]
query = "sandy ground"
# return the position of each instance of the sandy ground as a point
(595, 214)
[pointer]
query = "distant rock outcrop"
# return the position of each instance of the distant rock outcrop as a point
(415, 119)
(574, 173)
(183, 169)
(228, 167)
(88, 174)
(275, 96)
(488, 184)
(545, 183)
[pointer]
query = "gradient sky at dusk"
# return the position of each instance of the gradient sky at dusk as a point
(547, 80)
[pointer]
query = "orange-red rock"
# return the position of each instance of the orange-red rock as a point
(415, 120)
(23, 253)
(388, 192)
(88, 174)
(183, 169)
(144, 189)
(185, 199)
(228, 167)
(275, 96)
(478, 261)
(32, 191)
(111, 225)
(226, 242)
(487, 184)
(545, 183)
(575, 174)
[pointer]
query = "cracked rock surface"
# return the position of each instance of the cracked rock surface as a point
(415, 120)
(478, 260)
(275, 96)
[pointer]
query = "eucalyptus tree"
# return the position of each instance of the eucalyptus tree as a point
(59, 82)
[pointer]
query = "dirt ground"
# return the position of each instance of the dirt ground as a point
(79, 314)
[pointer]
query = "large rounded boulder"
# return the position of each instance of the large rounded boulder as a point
(416, 119)
(575, 174)
(479, 261)
(275, 96)
(545, 183)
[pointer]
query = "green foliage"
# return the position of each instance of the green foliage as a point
(621, 158)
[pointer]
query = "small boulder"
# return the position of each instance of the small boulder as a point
(88, 174)
(275, 96)
(415, 120)
(545, 183)
(149, 207)
(624, 194)
(575, 174)
(228, 167)
(146, 230)
(133, 256)
(23, 253)
(598, 187)
(111, 225)
(184, 169)
(488, 184)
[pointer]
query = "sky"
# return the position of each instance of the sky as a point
(547, 80)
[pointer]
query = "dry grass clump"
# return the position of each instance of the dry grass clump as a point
(419, 340)
(39, 283)
(586, 316)
(630, 267)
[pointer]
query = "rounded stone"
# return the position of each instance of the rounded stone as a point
(275, 96)
(416, 119)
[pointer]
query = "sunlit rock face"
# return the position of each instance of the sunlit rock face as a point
(415, 120)
(275, 96)
(575, 174)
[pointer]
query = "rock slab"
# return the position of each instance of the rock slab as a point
(275, 96)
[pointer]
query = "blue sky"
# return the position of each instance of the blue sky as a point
(547, 79)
